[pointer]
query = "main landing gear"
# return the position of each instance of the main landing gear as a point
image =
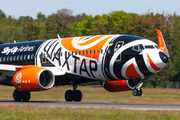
(24, 96)
(137, 91)
(73, 95)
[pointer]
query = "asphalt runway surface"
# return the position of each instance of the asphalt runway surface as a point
(97, 105)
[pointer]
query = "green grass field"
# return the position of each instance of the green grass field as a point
(39, 113)
(91, 94)
(99, 94)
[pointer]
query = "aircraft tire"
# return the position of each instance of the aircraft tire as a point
(69, 96)
(135, 92)
(17, 95)
(77, 95)
(26, 97)
(139, 92)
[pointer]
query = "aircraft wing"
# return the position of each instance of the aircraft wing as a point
(5, 68)
(8, 70)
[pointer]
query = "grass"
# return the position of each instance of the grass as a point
(99, 94)
(90, 94)
(38, 113)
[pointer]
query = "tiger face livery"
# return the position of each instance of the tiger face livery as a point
(76, 60)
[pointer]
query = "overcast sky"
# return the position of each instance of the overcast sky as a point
(18, 8)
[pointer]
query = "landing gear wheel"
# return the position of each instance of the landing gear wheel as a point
(139, 92)
(135, 92)
(26, 96)
(69, 95)
(17, 95)
(77, 95)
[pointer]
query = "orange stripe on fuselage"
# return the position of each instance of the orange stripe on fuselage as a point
(91, 40)
(131, 72)
(152, 64)
(67, 43)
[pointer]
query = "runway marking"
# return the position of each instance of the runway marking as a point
(97, 105)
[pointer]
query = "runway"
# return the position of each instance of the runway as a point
(97, 105)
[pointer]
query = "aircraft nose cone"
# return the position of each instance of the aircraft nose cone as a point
(163, 57)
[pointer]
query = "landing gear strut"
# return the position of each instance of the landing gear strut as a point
(73, 95)
(137, 91)
(24, 96)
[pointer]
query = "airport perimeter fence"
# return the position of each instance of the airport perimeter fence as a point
(153, 84)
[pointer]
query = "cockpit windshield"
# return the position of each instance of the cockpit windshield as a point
(138, 48)
(156, 47)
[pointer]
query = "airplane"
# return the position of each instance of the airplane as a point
(118, 62)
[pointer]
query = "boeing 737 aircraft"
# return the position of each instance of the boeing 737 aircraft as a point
(118, 62)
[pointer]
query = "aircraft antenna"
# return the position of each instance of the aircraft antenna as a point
(58, 36)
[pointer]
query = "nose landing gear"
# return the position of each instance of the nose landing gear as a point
(137, 91)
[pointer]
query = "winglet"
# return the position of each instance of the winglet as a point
(161, 42)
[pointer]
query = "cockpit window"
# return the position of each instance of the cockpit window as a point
(138, 48)
(141, 47)
(156, 47)
(149, 47)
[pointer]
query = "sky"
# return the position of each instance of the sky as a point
(17, 8)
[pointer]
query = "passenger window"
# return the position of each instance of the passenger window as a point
(7, 58)
(90, 52)
(21, 57)
(79, 52)
(102, 51)
(0, 59)
(86, 52)
(82, 52)
(32, 56)
(24, 57)
(14, 58)
(76, 53)
(18, 57)
(93, 51)
(11, 58)
(4, 59)
(28, 57)
(97, 51)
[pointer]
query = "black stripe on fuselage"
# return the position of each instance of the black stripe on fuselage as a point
(127, 38)
(21, 53)
(121, 40)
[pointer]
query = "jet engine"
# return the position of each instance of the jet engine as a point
(33, 78)
(119, 85)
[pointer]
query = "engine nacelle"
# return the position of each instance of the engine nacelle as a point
(119, 85)
(33, 78)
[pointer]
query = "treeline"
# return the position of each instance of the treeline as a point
(25, 28)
